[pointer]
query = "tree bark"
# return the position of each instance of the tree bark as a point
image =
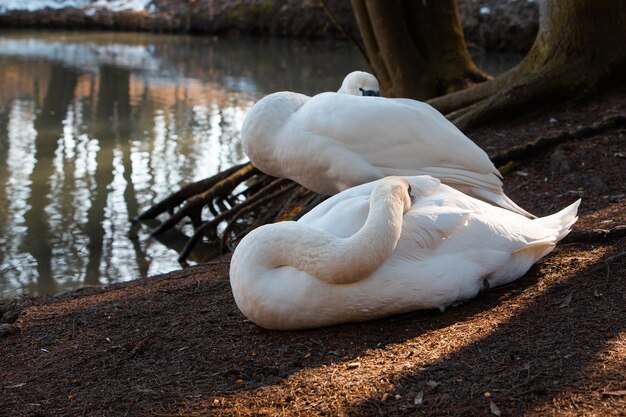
(417, 49)
(581, 45)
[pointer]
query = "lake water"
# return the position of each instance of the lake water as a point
(94, 127)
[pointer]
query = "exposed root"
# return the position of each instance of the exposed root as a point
(459, 100)
(186, 192)
(516, 97)
(209, 228)
(221, 196)
(526, 151)
(597, 235)
(254, 203)
(215, 194)
(463, 111)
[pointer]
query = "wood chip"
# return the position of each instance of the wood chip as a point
(494, 408)
(353, 365)
(419, 398)
(566, 301)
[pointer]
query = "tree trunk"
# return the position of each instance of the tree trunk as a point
(416, 48)
(581, 45)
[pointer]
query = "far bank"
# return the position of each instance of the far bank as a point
(500, 25)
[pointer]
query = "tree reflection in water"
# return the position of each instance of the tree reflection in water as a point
(96, 126)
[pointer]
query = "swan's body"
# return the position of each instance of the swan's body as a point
(335, 141)
(357, 257)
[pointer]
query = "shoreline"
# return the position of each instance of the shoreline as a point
(492, 25)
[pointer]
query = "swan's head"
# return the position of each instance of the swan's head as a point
(359, 83)
(395, 189)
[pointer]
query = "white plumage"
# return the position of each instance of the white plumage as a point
(334, 141)
(370, 252)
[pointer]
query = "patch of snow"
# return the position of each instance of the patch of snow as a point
(89, 6)
(121, 5)
(484, 11)
(34, 5)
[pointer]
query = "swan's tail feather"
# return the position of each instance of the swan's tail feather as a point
(501, 200)
(553, 228)
(484, 186)
(561, 222)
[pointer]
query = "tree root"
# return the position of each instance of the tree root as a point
(262, 200)
(453, 102)
(517, 153)
(596, 235)
(188, 191)
(525, 86)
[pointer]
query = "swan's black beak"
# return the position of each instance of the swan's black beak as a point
(369, 92)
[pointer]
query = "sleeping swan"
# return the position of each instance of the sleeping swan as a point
(334, 141)
(375, 250)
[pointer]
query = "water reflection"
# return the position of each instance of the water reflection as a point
(96, 126)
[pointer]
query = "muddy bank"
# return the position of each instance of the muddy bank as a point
(489, 24)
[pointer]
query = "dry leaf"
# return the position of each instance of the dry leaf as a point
(432, 383)
(494, 408)
(419, 398)
(566, 301)
(385, 396)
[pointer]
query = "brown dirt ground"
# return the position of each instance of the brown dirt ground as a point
(553, 343)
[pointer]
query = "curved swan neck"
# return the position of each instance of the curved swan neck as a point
(336, 260)
(261, 125)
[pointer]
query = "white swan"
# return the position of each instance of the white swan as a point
(334, 141)
(364, 254)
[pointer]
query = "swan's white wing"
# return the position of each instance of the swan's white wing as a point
(424, 230)
(400, 137)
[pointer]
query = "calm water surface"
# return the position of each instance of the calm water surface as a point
(94, 127)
